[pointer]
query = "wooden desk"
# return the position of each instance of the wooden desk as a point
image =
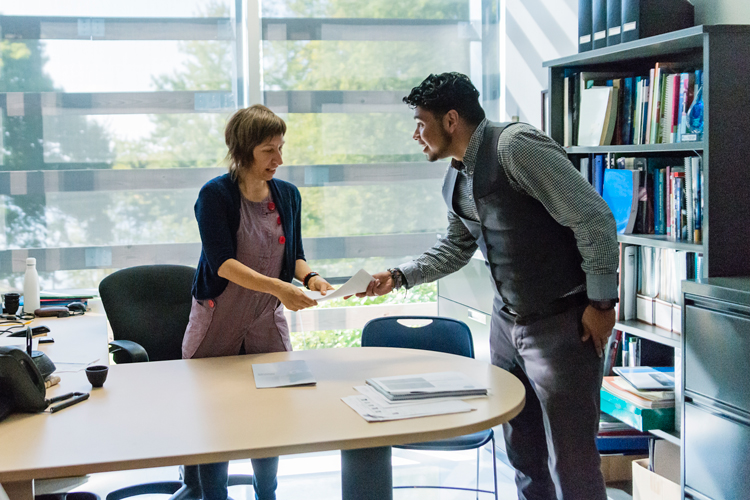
(208, 410)
(77, 339)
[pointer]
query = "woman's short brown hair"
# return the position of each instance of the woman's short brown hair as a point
(247, 129)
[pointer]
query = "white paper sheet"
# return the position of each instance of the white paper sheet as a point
(282, 374)
(372, 412)
(356, 284)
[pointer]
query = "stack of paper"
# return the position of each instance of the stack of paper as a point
(373, 411)
(647, 378)
(410, 396)
(426, 386)
(282, 374)
(618, 387)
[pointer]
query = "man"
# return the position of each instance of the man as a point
(550, 243)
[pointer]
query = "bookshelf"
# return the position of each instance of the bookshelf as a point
(723, 53)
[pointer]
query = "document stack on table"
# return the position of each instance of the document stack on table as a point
(410, 396)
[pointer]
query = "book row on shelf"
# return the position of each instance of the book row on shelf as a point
(656, 195)
(603, 23)
(630, 391)
(650, 284)
(664, 106)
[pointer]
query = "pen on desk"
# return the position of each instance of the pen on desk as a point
(80, 396)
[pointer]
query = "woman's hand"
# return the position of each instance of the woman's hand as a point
(319, 284)
(293, 298)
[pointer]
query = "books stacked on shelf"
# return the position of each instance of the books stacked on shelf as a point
(643, 410)
(603, 23)
(650, 287)
(618, 386)
(650, 195)
(616, 436)
(678, 203)
(615, 108)
(410, 396)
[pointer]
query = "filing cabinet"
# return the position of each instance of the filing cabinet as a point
(716, 407)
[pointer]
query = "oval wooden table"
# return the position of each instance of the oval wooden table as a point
(208, 410)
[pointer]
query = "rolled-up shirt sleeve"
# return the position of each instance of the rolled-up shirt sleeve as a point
(538, 166)
(452, 252)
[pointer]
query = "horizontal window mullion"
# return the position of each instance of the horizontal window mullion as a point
(116, 103)
(121, 256)
(115, 28)
(20, 183)
(161, 102)
(277, 29)
(336, 101)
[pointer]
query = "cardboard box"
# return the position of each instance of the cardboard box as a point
(618, 467)
(648, 485)
(644, 309)
(663, 314)
(676, 318)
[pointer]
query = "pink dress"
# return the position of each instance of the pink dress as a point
(220, 326)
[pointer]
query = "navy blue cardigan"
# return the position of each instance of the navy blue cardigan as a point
(218, 214)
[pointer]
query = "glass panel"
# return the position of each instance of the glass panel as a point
(136, 141)
(355, 65)
(396, 208)
(137, 65)
(72, 219)
(347, 138)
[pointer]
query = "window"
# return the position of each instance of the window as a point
(113, 117)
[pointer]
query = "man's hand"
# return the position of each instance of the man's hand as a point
(598, 325)
(381, 284)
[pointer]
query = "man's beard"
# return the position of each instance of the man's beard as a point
(435, 155)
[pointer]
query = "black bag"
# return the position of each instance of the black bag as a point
(21, 383)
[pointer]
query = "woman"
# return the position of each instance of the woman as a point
(252, 248)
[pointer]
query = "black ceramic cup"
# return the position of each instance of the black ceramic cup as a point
(97, 374)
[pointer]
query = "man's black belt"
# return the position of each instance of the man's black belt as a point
(553, 308)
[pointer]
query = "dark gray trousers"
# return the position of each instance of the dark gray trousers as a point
(552, 442)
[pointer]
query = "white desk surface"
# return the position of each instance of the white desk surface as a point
(208, 410)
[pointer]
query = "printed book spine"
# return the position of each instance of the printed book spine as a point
(584, 25)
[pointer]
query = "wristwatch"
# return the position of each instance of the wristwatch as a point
(398, 278)
(603, 305)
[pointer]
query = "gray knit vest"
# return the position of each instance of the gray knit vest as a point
(533, 259)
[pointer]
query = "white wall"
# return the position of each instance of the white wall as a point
(722, 11)
(540, 30)
(535, 31)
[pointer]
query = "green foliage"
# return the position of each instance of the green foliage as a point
(326, 339)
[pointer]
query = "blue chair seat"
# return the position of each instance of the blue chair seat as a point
(467, 442)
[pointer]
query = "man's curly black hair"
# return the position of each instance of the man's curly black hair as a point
(441, 93)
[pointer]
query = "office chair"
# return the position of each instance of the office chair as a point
(148, 308)
(443, 335)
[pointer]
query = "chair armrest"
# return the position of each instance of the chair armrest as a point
(127, 351)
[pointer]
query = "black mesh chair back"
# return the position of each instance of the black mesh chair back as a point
(148, 308)
(149, 305)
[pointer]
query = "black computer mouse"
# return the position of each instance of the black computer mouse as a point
(78, 307)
